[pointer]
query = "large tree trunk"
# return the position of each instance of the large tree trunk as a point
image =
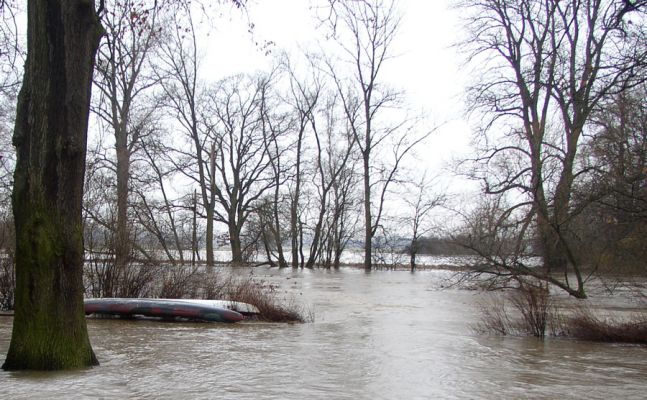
(49, 330)
(236, 245)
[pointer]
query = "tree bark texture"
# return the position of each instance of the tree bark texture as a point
(235, 242)
(49, 329)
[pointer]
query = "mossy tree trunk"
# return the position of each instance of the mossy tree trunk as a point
(49, 329)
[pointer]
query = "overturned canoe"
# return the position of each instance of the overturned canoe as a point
(195, 310)
(243, 308)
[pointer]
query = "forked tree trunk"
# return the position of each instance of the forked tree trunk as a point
(49, 329)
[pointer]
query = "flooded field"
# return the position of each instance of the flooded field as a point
(383, 335)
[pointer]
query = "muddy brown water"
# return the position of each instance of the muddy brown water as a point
(384, 335)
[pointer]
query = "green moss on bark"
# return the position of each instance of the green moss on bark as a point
(49, 329)
(46, 335)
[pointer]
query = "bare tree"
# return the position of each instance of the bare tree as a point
(365, 32)
(619, 154)
(185, 97)
(122, 82)
(324, 150)
(241, 126)
(158, 210)
(334, 151)
(275, 125)
(501, 238)
(303, 97)
(420, 201)
(342, 219)
(543, 68)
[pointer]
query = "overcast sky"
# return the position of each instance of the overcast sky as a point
(427, 67)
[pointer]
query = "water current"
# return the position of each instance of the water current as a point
(383, 335)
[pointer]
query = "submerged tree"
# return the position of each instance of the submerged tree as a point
(244, 129)
(122, 81)
(185, 98)
(420, 201)
(371, 26)
(49, 329)
(543, 67)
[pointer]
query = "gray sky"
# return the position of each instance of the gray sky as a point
(427, 68)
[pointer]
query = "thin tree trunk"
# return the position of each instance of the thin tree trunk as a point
(368, 220)
(122, 240)
(49, 329)
(295, 232)
(194, 233)
(209, 235)
(279, 239)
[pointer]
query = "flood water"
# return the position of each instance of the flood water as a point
(383, 335)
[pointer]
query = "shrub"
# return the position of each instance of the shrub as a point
(104, 279)
(534, 305)
(265, 297)
(494, 317)
(584, 325)
(534, 313)
(214, 285)
(178, 282)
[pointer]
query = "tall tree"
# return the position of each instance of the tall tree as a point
(420, 201)
(131, 31)
(365, 31)
(302, 98)
(243, 123)
(334, 154)
(543, 66)
(49, 329)
(157, 210)
(185, 98)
